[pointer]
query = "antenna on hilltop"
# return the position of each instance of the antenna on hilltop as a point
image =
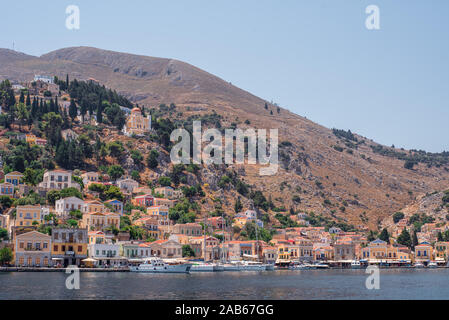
(13, 46)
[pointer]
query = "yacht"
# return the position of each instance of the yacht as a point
(355, 264)
(157, 265)
(322, 266)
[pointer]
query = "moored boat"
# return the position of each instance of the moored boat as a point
(202, 267)
(418, 265)
(355, 264)
(157, 265)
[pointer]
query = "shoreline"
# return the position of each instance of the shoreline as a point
(33, 269)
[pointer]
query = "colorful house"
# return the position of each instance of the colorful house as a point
(14, 178)
(32, 249)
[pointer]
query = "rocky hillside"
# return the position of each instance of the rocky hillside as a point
(335, 174)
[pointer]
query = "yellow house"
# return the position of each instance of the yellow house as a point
(423, 252)
(442, 250)
(96, 237)
(14, 178)
(161, 212)
(93, 206)
(69, 245)
(100, 220)
(32, 249)
(164, 202)
(27, 215)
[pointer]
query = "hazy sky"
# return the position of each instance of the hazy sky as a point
(315, 57)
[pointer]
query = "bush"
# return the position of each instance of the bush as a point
(398, 216)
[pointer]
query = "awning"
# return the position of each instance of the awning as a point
(89, 260)
(57, 258)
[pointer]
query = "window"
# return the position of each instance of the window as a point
(56, 235)
(55, 247)
(45, 245)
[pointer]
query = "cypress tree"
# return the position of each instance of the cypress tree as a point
(28, 101)
(73, 110)
(22, 97)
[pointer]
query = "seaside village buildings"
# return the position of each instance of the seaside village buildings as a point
(98, 241)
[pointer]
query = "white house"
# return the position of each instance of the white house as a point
(106, 254)
(127, 184)
(65, 205)
(58, 179)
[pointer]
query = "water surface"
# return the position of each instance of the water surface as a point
(278, 285)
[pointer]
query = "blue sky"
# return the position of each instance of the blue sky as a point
(313, 57)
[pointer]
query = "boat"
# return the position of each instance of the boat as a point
(269, 266)
(298, 266)
(218, 267)
(433, 265)
(157, 265)
(355, 264)
(254, 266)
(202, 267)
(321, 266)
(247, 266)
(418, 265)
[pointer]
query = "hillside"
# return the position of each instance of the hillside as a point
(343, 178)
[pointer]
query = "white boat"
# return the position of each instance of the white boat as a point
(433, 265)
(269, 267)
(157, 265)
(202, 267)
(418, 265)
(254, 266)
(322, 266)
(300, 267)
(246, 266)
(218, 267)
(355, 264)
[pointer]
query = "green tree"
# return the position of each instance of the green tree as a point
(238, 205)
(152, 159)
(165, 181)
(115, 171)
(398, 216)
(404, 238)
(187, 251)
(5, 256)
(414, 240)
(384, 235)
(73, 110)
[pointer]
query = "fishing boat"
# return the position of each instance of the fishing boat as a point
(157, 265)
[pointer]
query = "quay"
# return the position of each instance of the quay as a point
(37, 269)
